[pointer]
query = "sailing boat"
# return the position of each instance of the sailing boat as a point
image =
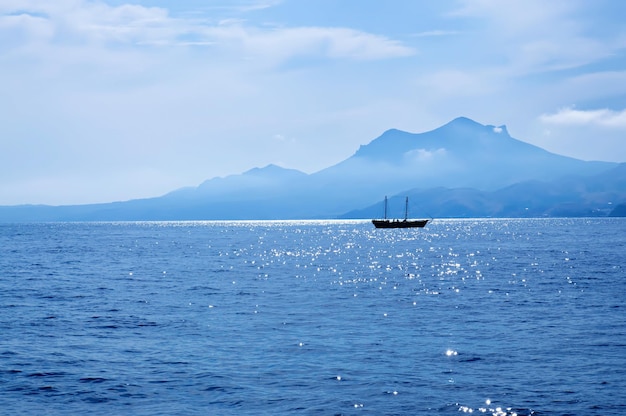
(396, 223)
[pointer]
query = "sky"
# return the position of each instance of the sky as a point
(113, 100)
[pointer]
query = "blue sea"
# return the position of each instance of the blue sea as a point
(485, 317)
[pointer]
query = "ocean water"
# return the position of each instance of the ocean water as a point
(494, 317)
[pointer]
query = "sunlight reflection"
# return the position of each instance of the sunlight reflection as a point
(497, 411)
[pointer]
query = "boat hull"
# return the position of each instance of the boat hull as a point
(399, 223)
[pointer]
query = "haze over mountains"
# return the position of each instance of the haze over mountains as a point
(462, 169)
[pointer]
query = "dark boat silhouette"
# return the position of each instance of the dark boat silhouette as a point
(398, 223)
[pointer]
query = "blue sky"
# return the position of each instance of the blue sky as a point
(114, 100)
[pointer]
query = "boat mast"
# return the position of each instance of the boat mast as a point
(406, 208)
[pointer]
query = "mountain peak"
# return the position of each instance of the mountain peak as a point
(457, 123)
(463, 121)
(269, 169)
(272, 170)
(463, 126)
(393, 143)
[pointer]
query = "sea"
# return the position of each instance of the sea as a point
(472, 316)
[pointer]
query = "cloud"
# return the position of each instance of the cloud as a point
(572, 117)
(537, 36)
(514, 15)
(83, 22)
(424, 155)
(329, 42)
(497, 129)
(248, 6)
(240, 6)
(201, 88)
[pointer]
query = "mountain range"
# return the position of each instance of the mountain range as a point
(461, 169)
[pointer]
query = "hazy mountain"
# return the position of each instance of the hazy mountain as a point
(459, 169)
(575, 195)
(461, 153)
(263, 183)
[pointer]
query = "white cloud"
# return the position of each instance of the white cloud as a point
(64, 33)
(601, 117)
(275, 45)
(86, 23)
(538, 36)
(425, 155)
(239, 6)
(255, 5)
(497, 129)
(201, 88)
(515, 15)
(359, 45)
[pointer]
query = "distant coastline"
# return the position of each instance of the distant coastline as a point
(462, 169)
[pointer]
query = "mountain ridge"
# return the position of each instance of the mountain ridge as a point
(591, 196)
(461, 154)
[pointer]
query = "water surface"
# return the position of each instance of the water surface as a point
(497, 317)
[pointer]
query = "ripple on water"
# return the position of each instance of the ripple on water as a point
(313, 317)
